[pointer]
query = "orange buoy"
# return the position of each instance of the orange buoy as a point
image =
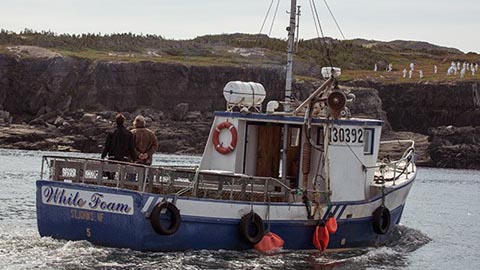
(321, 237)
(316, 242)
(331, 224)
(216, 138)
(270, 242)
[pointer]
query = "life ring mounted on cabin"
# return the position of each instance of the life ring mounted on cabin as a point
(216, 138)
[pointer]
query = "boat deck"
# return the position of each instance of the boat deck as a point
(175, 181)
(394, 175)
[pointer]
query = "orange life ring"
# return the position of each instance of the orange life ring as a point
(216, 140)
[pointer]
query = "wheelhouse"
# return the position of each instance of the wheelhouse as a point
(354, 146)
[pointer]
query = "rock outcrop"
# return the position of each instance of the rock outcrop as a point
(64, 103)
(70, 104)
(455, 147)
(33, 87)
(368, 104)
(419, 106)
(449, 113)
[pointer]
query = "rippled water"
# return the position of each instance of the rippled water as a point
(439, 231)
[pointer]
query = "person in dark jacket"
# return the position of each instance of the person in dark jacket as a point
(120, 144)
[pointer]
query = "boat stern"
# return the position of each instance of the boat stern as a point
(100, 215)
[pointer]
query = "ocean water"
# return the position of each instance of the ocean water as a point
(439, 230)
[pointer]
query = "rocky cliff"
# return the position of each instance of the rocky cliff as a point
(455, 147)
(65, 103)
(32, 87)
(449, 113)
(69, 103)
(420, 106)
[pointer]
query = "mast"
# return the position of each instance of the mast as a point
(298, 28)
(288, 83)
(289, 67)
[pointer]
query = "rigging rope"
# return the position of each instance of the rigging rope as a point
(334, 19)
(264, 20)
(322, 38)
(274, 17)
(360, 161)
(314, 21)
(262, 59)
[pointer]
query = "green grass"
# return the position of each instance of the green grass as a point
(397, 76)
(220, 57)
(140, 57)
(4, 50)
(422, 62)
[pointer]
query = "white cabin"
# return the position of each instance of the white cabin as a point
(353, 148)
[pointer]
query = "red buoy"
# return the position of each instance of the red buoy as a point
(270, 242)
(321, 237)
(331, 224)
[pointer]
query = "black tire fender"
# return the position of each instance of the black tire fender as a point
(381, 220)
(246, 223)
(174, 217)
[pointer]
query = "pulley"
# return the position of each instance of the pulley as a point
(336, 102)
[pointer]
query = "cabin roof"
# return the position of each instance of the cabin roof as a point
(275, 118)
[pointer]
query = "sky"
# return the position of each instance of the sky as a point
(447, 23)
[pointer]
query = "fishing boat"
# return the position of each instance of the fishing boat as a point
(292, 174)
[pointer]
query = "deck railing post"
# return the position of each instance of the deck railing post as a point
(196, 185)
(100, 174)
(146, 178)
(84, 170)
(265, 189)
(244, 189)
(220, 183)
(232, 182)
(41, 172)
(119, 176)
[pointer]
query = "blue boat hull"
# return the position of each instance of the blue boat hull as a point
(134, 230)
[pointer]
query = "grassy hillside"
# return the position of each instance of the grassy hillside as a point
(355, 57)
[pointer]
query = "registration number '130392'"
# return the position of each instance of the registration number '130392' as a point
(351, 135)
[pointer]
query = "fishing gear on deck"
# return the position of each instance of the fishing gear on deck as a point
(308, 204)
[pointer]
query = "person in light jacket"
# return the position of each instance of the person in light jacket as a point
(145, 141)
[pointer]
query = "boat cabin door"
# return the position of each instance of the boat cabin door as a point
(264, 151)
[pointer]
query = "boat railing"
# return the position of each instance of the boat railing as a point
(398, 167)
(172, 180)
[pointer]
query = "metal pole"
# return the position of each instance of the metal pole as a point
(326, 154)
(289, 67)
(298, 28)
(288, 83)
(284, 154)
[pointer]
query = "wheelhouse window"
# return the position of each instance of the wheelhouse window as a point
(320, 136)
(295, 137)
(368, 141)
